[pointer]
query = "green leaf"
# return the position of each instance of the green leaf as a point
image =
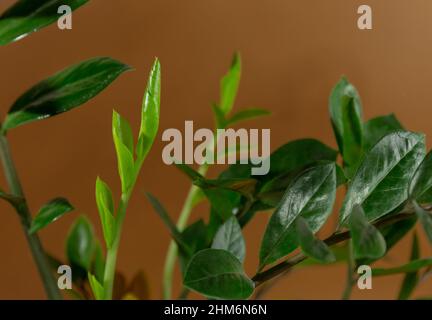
(311, 195)
(123, 131)
(421, 184)
(229, 85)
(346, 116)
(27, 16)
(49, 213)
(246, 115)
(124, 157)
(163, 214)
(96, 286)
(312, 246)
(425, 219)
(219, 117)
(218, 274)
(98, 266)
(150, 112)
(105, 204)
(229, 237)
(189, 171)
(411, 278)
(80, 243)
(380, 184)
(367, 241)
(378, 127)
(412, 266)
(64, 91)
(195, 236)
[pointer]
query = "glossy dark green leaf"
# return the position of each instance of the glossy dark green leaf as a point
(150, 112)
(376, 128)
(163, 214)
(27, 16)
(380, 184)
(64, 91)
(96, 286)
(247, 114)
(312, 246)
(105, 204)
(311, 195)
(346, 116)
(412, 266)
(49, 213)
(229, 85)
(425, 219)
(421, 184)
(218, 274)
(229, 237)
(367, 241)
(80, 243)
(411, 278)
(195, 236)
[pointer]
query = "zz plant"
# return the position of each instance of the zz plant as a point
(383, 167)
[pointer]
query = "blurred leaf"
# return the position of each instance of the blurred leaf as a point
(105, 206)
(412, 266)
(312, 246)
(346, 116)
(425, 219)
(229, 85)
(96, 286)
(311, 195)
(380, 184)
(80, 243)
(229, 237)
(27, 16)
(150, 112)
(49, 213)
(367, 241)
(64, 91)
(378, 127)
(123, 131)
(175, 234)
(218, 274)
(411, 279)
(247, 114)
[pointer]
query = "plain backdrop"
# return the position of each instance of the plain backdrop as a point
(293, 53)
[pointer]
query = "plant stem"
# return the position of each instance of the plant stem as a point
(23, 211)
(350, 273)
(181, 224)
(282, 267)
(111, 260)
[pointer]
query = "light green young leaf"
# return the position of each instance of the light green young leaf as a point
(247, 115)
(218, 274)
(150, 113)
(311, 195)
(380, 184)
(124, 157)
(80, 243)
(312, 246)
(220, 120)
(96, 286)
(411, 278)
(28, 16)
(64, 91)
(105, 206)
(123, 131)
(49, 213)
(229, 237)
(229, 85)
(425, 219)
(376, 128)
(346, 116)
(367, 241)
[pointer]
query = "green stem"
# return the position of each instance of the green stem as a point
(350, 273)
(181, 224)
(23, 211)
(111, 260)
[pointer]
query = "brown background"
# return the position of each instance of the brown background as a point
(293, 53)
